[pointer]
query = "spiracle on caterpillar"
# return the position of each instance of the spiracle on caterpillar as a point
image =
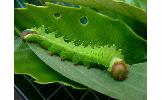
(107, 56)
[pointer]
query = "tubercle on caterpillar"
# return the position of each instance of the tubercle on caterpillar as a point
(107, 56)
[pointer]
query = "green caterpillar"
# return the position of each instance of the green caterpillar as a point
(106, 56)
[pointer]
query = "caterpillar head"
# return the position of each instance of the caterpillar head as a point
(26, 32)
(119, 70)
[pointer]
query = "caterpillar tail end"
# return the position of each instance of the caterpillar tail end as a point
(119, 70)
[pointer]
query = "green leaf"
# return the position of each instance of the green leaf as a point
(139, 3)
(133, 88)
(26, 62)
(100, 29)
(114, 5)
(135, 17)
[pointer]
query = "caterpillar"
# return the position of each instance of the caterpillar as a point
(106, 56)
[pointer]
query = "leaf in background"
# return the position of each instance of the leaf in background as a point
(113, 5)
(135, 17)
(133, 88)
(26, 62)
(139, 3)
(99, 29)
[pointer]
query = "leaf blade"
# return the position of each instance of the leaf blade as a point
(26, 62)
(101, 29)
(126, 11)
(113, 5)
(98, 80)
